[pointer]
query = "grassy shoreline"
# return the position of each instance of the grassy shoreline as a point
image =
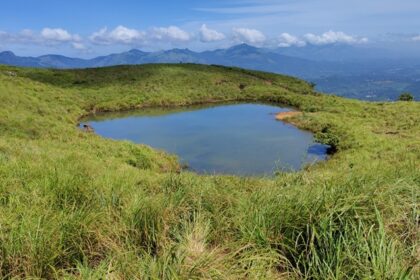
(75, 205)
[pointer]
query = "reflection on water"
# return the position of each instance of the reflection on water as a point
(243, 139)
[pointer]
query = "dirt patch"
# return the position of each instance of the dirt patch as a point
(285, 115)
(10, 73)
(221, 82)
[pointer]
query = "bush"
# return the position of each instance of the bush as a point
(406, 96)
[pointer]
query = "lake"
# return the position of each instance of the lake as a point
(240, 139)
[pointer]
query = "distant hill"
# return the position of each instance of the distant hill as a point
(9, 58)
(357, 72)
(241, 56)
(336, 52)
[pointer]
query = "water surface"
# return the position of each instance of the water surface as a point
(242, 139)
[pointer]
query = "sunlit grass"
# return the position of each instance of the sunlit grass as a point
(75, 205)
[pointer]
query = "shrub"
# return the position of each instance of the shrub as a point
(406, 96)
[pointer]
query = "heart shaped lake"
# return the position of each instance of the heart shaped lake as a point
(240, 139)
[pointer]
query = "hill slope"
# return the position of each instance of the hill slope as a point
(75, 205)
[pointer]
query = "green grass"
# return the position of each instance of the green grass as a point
(74, 205)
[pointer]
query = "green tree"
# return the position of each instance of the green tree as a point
(406, 96)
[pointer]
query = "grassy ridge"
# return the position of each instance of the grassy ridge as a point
(75, 205)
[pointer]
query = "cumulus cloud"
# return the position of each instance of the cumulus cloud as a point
(332, 37)
(170, 34)
(4, 36)
(210, 35)
(27, 35)
(287, 40)
(416, 38)
(47, 36)
(101, 37)
(119, 35)
(246, 35)
(124, 35)
(56, 35)
(79, 46)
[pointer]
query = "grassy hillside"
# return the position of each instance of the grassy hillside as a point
(75, 205)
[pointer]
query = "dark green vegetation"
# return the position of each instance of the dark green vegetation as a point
(75, 205)
(406, 96)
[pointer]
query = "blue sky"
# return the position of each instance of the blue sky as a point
(94, 27)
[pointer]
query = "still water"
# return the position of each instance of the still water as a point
(242, 139)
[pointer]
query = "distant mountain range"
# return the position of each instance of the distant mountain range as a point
(350, 71)
(241, 55)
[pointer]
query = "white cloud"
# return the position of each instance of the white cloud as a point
(416, 38)
(47, 36)
(251, 36)
(4, 36)
(124, 35)
(56, 35)
(27, 35)
(210, 35)
(332, 37)
(119, 35)
(287, 40)
(78, 46)
(171, 33)
(100, 37)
